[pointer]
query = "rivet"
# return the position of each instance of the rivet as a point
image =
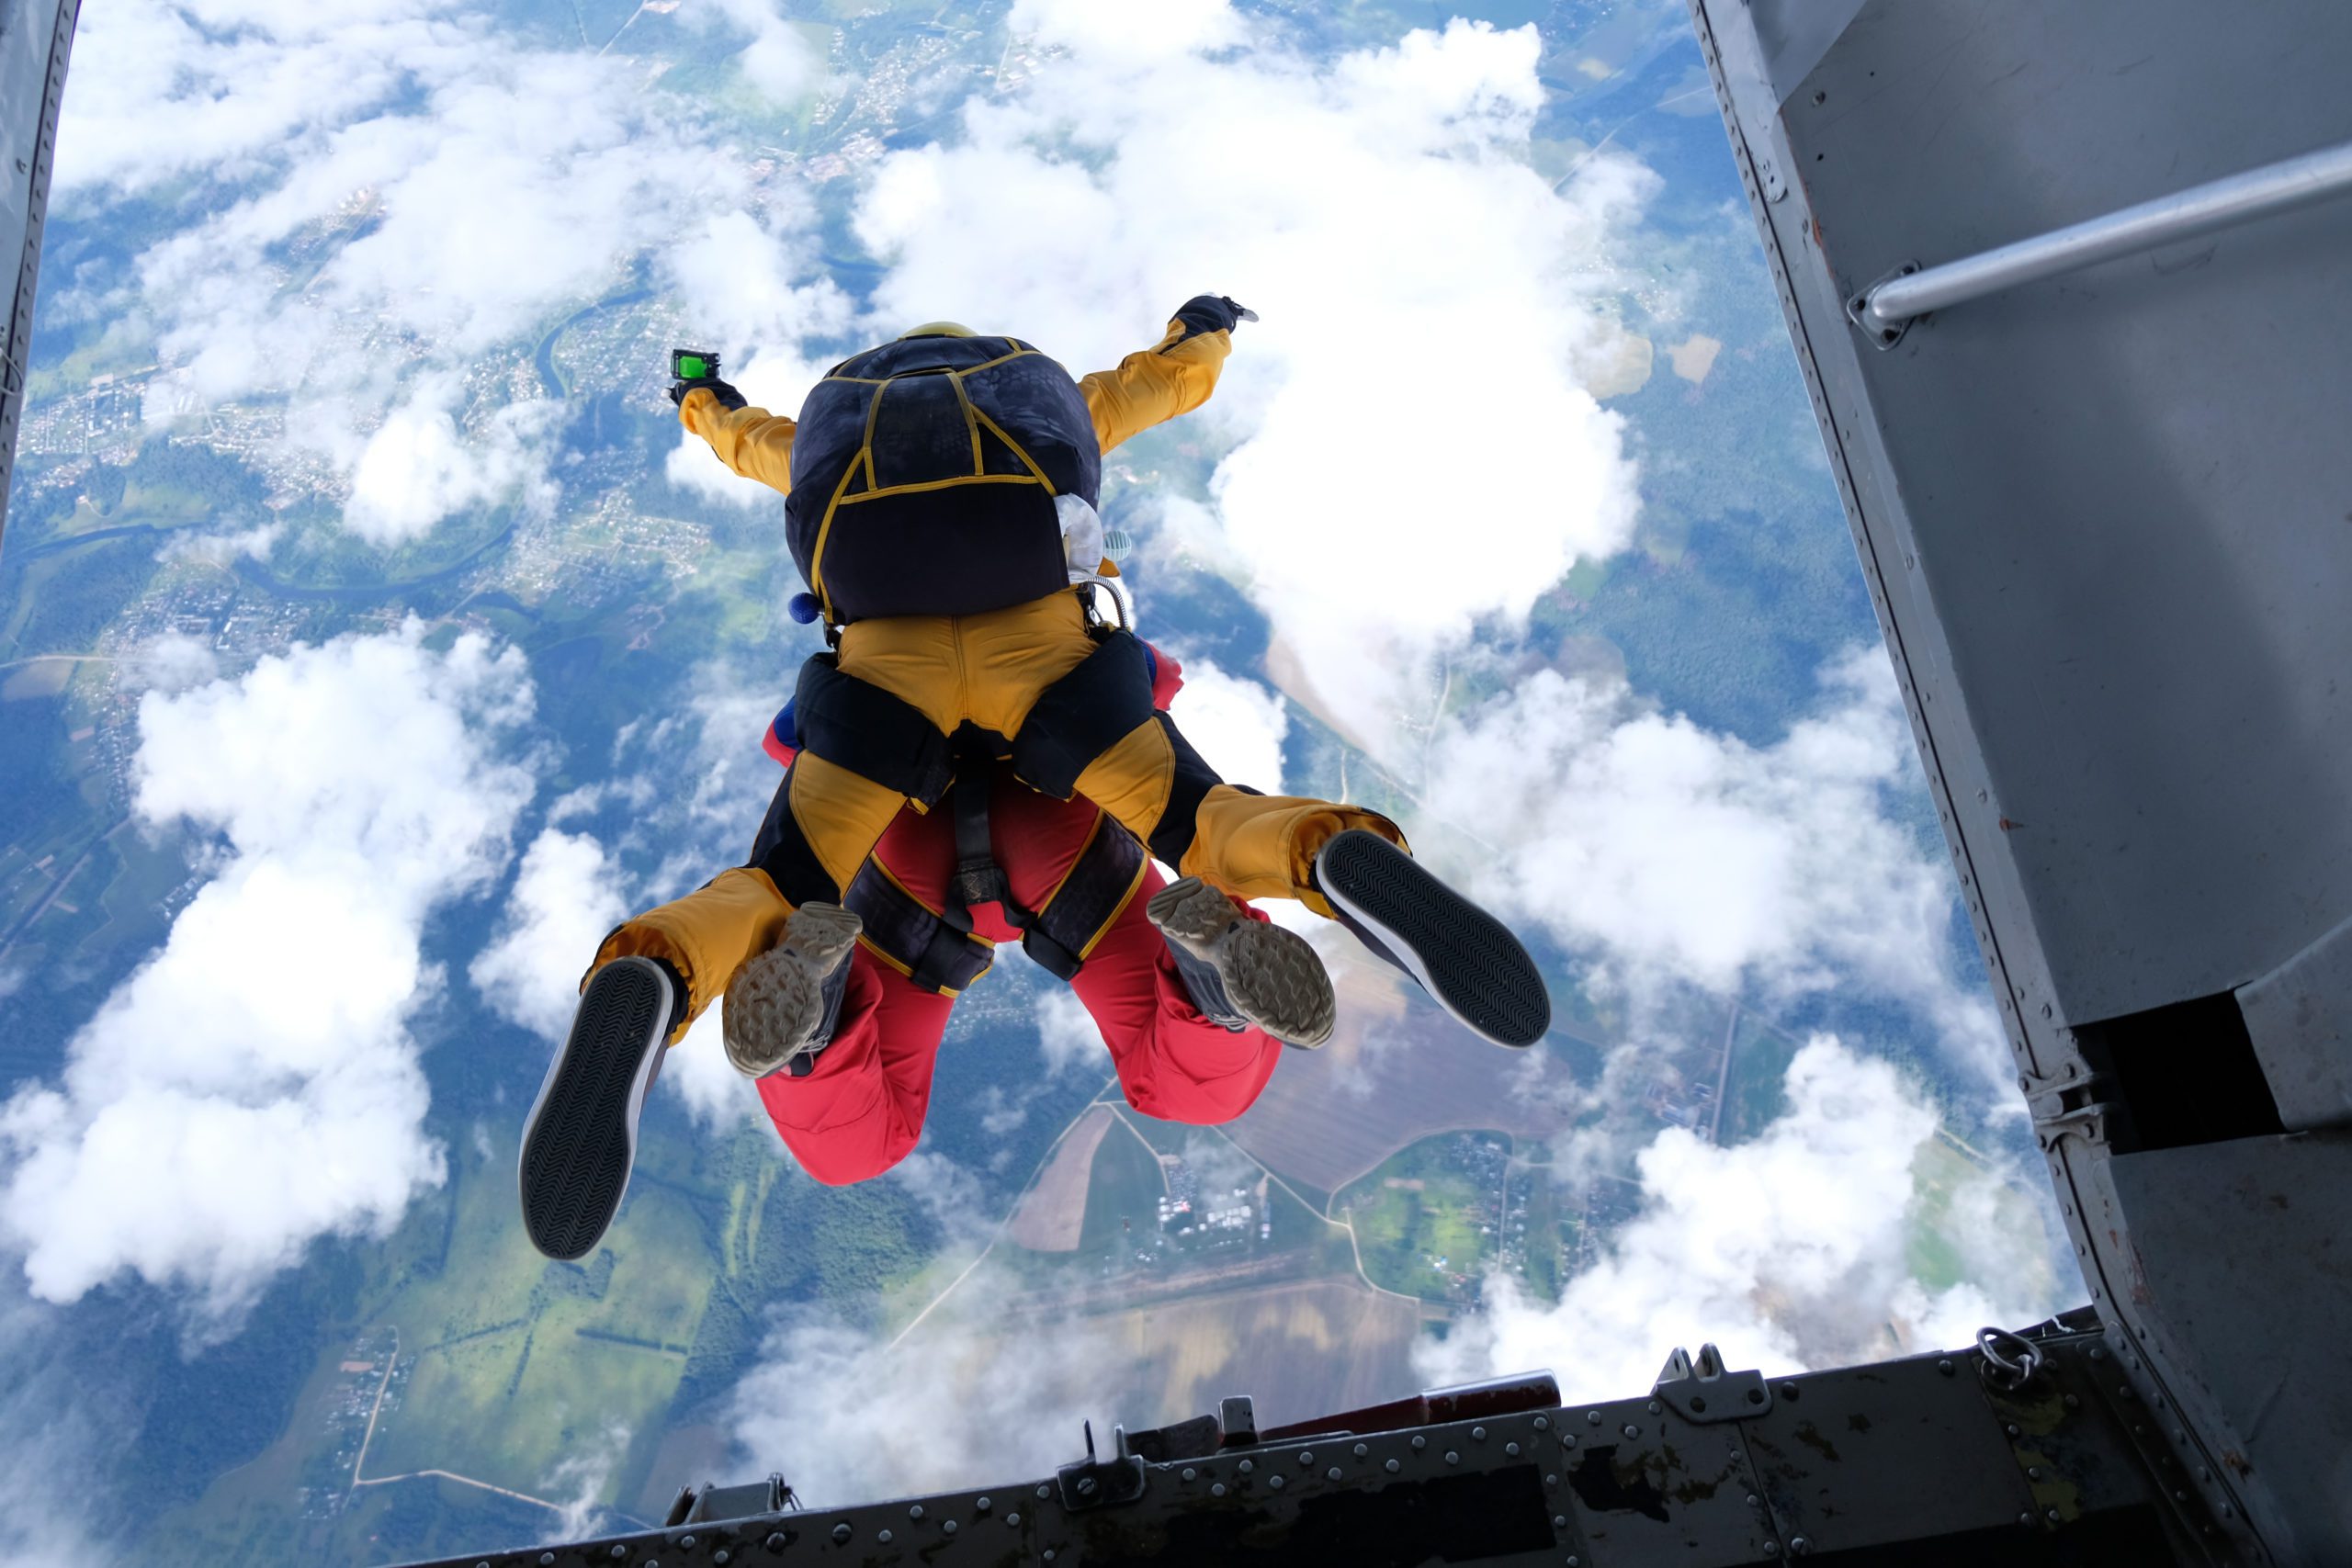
(2179, 1497)
(948, 1526)
(1771, 1549)
(915, 1512)
(841, 1538)
(1191, 1474)
(1788, 1391)
(1559, 1522)
(1452, 1457)
(984, 1504)
(1511, 1448)
(1569, 1438)
(1551, 1480)
(1593, 1417)
(1049, 1554)
(618, 1552)
(1362, 1451)
(2074, 1402)
(686, 1543)
(547, 1560)
(1655, 1407)
(2098, 1353)
(1542, 1423)
(1419, 1443)
(1043, 1493)
(1798, 1546)
(1631, 1431)
(1275, 1482)
(1392, 1467)
(1306, 1458)
(1478, 1433)
(2204, 1473)
(721, 1558)
(882, 1536)
(2050, 1514)
(1754, 1501)
(1332, 1474)
(2033, 1472)
(1012, 1521)
(1573, 1562)
(1247, 1466)
(1944, 1366)
(2010, 1429)
(1086, 1487)
(1217, 1490)
(2026, 1520)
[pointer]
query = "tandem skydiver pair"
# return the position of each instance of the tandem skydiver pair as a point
(1000, 745)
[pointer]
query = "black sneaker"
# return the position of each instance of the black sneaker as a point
(1241, 972)
(782, 1005)
(1461, 955)
(580, 1140)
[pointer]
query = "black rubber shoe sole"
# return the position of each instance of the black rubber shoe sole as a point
(581, 1139)
(1462, 955)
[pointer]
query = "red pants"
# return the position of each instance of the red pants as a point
(860, 1110)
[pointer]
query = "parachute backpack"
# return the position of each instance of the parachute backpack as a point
(924, 473)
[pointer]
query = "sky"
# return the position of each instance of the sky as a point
(1402, 234)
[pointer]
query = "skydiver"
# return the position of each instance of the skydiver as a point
(998, 861)
(939, 493)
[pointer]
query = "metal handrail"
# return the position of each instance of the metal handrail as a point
(2201, 210)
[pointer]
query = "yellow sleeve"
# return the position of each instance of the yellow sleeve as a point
(1174, 375)
(751, 441)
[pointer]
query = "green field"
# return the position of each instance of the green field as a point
(1123, 1198)
(1756, 1093)
(1417, 1220)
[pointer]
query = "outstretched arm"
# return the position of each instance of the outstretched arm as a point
(751, 441)
(1174, 375)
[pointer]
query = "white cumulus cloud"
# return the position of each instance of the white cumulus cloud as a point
(566, 897)
(1682, 855)
(254, 1086)
(1418, 450)
(1235, 724)
(1791, 1252)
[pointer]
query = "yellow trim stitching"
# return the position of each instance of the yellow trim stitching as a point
(1116, 910)
(1027, 461)
(971, 425)
(817, 552)
(945, 484)
(865, 445)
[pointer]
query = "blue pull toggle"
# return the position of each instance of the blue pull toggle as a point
(804, 608)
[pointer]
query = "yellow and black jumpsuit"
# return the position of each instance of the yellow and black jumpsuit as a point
(1071, 707)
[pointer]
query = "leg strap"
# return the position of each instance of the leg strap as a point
(1084, 714)
(856, 725)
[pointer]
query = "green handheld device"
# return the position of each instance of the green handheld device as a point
(692, 364)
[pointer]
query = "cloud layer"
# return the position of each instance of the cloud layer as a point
(1792, 1251)
(254, 1085)
(1674, 853)
(383, 200)
(1416, 447)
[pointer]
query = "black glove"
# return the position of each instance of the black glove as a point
(729, 398)
(1211, 313)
